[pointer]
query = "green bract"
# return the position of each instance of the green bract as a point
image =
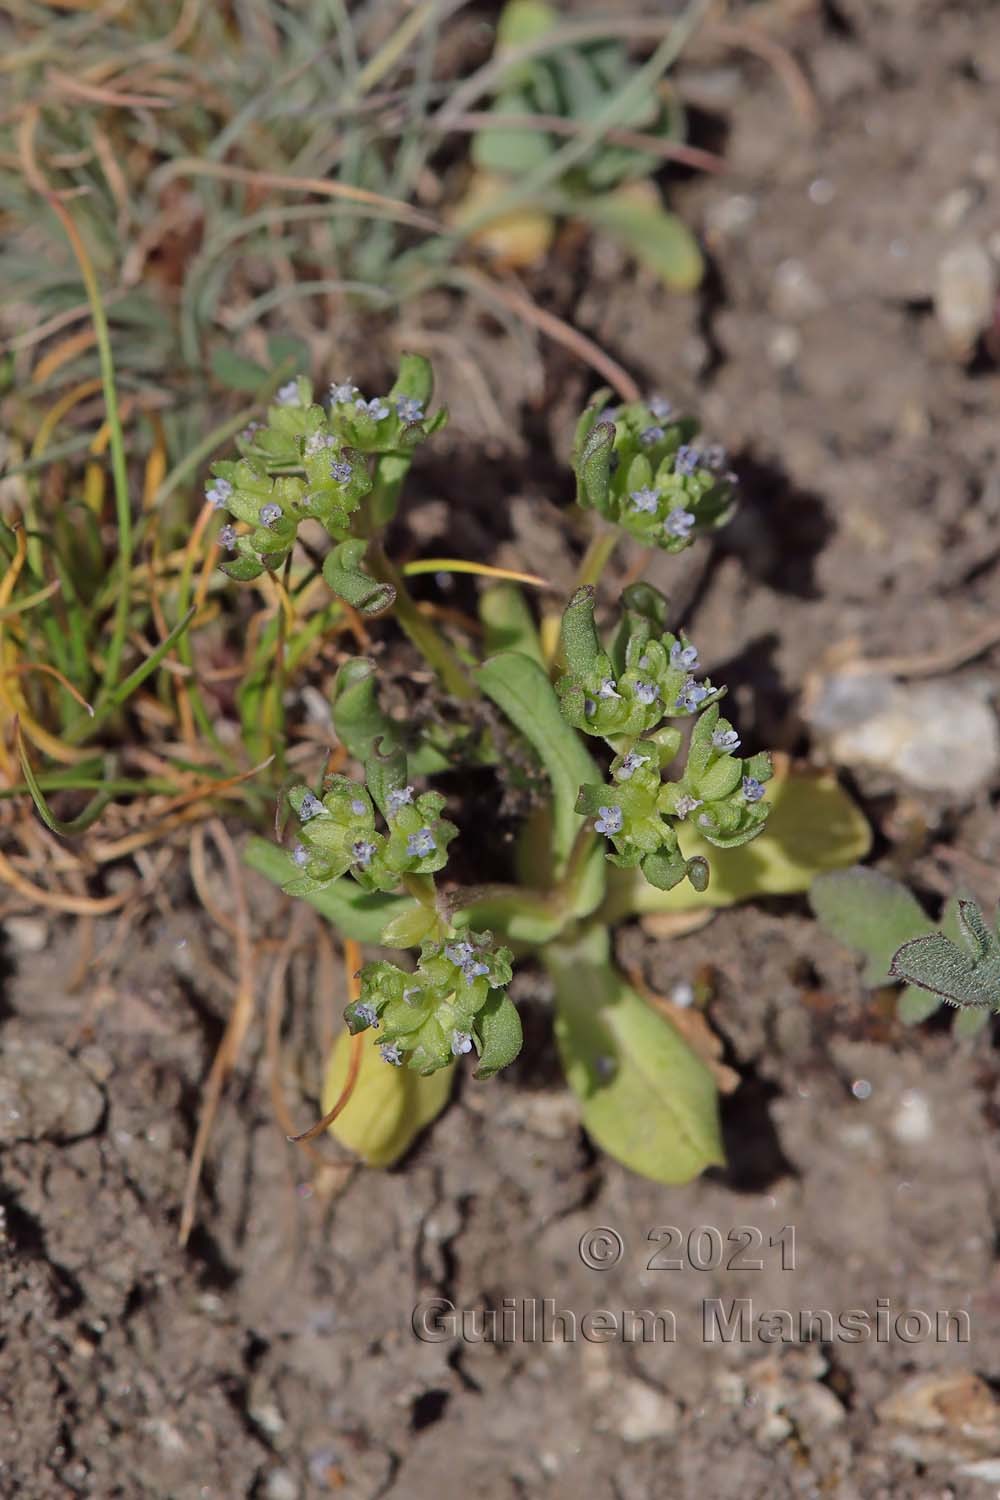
(638, 467)
(313, 463)
(451, 1003)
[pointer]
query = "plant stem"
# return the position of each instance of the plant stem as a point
(421, 631)
(597, 556)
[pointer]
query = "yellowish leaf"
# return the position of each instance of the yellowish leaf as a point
(389, 1106)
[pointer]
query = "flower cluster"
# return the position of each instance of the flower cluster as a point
(338, 835)
(624, 697)
(310, 462)
(639, 467)
(453, 1003)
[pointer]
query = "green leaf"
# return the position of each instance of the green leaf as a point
(389, 1106)
(242, 569)
(235, 372)
(647, 1098)
(656, 238)
(410, 927)
(498, 1026)
(508, 622)
(870, 913)
(813, 826)
(355, 913)
(521, 689)
(915, 1005)
(344, 575)
(357, 716)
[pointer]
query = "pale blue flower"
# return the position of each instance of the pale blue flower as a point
(419, 845)
(300, 856)
(391, 1053)
(375, 408)
(609, 821)
(752, 789)
(400, 797)
(358, 807)
(686, 459)
(685, 657)
(288, 395)
(218, 493)
(630, 764)
(363, 851)
(691, 694)
(341, 471)
(608, 689)
(647, 692)
(343, 394)
(726, 739)
(660, 407)
(310, 807)
(645, 500)
(270, 514)
(409, 409)
(227, 537)
(366, 1012)
(678, 523)
(461, 1041)
(650, 436)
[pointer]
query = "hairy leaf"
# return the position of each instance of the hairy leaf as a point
(869, 912)
(499, 1026)
(935, 963)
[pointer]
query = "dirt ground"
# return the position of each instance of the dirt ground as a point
(275, 1357)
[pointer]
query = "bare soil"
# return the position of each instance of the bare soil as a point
(275, 1357)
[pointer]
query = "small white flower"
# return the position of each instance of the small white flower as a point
(459, 953)
(367, 1013)
(660, 407)
(607, 689)
(310, 807)
(686, 804)
(461, 1041)
(344, 393)
(391, 1053)
(647, 692)
(358, 808)
(288, 395)
(685, 657)
(316, 442)
(300, 856)
(362, 852)
(399, 797)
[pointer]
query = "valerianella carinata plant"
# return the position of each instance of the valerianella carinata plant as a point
(616, 828)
